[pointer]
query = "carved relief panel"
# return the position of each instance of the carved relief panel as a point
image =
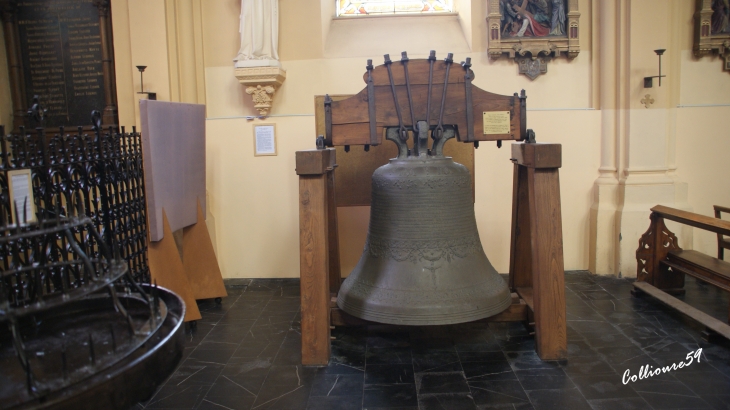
(533, 32)
(712, 29)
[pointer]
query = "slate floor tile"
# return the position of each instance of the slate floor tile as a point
(668, 384)
(587, 365)
(577, 348)
(385, 355)
(721, 401)
(340, 368)
(706, 382)
(603, 386)
(441, 383)
(557, 399)
(482, 357)
(348, 357)
(436, 361)
(600, 339)
(174, 397)
(392, 340)
(247, 373)
(519, 343)
(393, 395)
(674, 401)
(481, 371)
(225, 392)
(246, 354)
(490, 346)
(213, 353)
(194, 372)
(541, 379)
(528, 360)
(333, 385)
(448, 401)
(284, 398)
(633, 403)
(502, 392)
(389, 374)
(334, 403)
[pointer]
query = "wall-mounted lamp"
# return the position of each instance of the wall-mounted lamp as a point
(150, 96)
(648, 80)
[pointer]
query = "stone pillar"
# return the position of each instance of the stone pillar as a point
(603, 232)
(637, 141)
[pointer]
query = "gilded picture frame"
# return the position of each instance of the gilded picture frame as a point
(533, 32)
(712, 30)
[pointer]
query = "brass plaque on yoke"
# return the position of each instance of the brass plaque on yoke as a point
(496, 122)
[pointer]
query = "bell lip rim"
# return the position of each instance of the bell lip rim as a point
(433, 320)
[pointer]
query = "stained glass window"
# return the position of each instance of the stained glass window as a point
(372, 7)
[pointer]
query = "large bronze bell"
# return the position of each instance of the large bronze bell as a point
(423, 262)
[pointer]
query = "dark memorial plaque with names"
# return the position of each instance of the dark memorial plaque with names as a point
(62, 58)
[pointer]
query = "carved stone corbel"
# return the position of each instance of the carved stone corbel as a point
(261, 84)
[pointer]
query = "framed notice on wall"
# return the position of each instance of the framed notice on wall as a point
(264, 139)
(21, 196)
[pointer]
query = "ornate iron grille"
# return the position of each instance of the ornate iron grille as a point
(99, 174)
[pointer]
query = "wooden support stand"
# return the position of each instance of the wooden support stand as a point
(317, 231)
(536, 260)
(536, 256)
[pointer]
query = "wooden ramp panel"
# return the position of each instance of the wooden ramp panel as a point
(199, 261)
(167, 270)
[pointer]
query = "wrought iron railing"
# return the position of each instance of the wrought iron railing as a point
(95, 173)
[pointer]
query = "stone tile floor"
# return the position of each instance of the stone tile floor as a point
(246, 354)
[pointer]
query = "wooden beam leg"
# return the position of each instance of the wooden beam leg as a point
(313, 269)
(548, 276)
(335, 276)
(520, 265)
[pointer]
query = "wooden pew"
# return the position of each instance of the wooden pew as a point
(722, 242)
(662, 264)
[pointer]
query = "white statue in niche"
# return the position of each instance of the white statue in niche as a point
(259, 30)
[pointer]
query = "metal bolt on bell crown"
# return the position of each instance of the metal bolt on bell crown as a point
(423, 262)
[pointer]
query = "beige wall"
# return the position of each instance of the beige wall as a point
(252, 206)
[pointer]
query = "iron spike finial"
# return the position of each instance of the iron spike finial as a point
(96, 120)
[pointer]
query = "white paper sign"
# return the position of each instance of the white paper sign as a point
(264, 140)
(21, 195)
